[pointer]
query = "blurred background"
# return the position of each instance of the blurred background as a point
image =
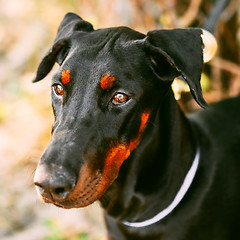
(27, 30)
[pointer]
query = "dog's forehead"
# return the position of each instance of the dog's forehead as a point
(97, 57)
(100, 37)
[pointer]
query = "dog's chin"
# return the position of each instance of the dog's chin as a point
(79, 202)
(80, 199)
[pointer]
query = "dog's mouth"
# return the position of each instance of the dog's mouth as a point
(83, 196)
(89, 188)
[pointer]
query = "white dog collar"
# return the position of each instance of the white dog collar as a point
(181, 193)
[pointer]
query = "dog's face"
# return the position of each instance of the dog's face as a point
(101, 112)
(103, 96)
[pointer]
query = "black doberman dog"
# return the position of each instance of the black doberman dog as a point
(121, 138)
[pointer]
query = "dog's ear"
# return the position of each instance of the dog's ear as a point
(178, 52)
(59, 51)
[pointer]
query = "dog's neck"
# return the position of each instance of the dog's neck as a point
(169, 152)
(178, 198)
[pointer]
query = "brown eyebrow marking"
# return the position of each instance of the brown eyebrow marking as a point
(107, 81)
(66, 77)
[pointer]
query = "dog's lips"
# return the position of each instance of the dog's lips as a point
(89, 188)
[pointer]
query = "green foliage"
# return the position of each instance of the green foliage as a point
(56, 234)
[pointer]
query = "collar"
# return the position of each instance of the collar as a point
(181, 193)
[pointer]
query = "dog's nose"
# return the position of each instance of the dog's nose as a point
(54, 183)
(56, 192)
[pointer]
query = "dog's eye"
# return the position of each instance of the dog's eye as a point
(58, 89)
(119, 98)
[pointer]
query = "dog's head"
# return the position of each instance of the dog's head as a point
(109, 82)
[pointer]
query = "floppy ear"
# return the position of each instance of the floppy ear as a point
(178, 52)
(61, 46)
